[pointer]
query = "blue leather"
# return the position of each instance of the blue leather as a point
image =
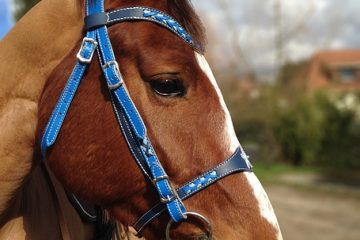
(123, 101)
(128, 117)
(238, 162)
(62, 106)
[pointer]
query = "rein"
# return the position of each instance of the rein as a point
(128, 117)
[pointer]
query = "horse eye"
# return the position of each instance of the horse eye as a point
(168, 87)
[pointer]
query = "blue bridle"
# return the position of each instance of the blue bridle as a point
(128, 117)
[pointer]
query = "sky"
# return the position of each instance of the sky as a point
(309, 26)
(5, 17)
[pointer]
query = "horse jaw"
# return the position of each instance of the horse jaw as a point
(263, 202)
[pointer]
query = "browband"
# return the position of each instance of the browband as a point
(127, 115)
(140, 13)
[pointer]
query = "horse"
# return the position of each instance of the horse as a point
(187, 121)
(24, 67)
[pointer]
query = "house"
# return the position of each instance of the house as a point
(335, 70)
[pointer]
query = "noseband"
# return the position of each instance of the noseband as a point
(128, 117)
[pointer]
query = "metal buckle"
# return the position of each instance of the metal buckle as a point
(154, 181)
(167, 199)
(117, 72)
(172, 197)
(84, 59)
(196, 215)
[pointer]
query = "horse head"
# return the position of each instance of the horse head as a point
(189, 126)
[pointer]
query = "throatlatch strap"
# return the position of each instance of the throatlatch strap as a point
(57, 117)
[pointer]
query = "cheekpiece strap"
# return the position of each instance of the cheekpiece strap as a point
(123, 103)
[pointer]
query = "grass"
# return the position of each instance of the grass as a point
(269, 172)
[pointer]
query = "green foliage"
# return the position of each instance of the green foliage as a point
(290, 71)
(341, 142)
(252, 116)
(297, 129)
(270, 172)
(316, 130)
(22, 6)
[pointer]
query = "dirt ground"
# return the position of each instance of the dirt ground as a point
(304, 214)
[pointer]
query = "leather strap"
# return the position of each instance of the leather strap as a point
(144, 14)
(86, 210)
(238, 162)
(62, 106)
(123, 102)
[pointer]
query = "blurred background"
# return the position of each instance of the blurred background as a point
(290, 75)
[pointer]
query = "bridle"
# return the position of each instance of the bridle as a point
(128, 117)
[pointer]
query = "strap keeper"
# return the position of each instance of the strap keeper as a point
(114, 86)
(88, 47)
(96, 20)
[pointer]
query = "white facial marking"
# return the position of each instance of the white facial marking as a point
(204, 65)
(265, 207)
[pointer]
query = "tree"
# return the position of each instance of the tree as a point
(22, 6)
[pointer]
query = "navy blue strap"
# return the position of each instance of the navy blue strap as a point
(140, 13)
(238, 162)
(130, 138)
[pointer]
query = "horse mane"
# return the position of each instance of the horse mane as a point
(183, 11)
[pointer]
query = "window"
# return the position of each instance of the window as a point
(347, 75)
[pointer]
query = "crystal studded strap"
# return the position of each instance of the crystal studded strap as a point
(141, 13)
(238, 162)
